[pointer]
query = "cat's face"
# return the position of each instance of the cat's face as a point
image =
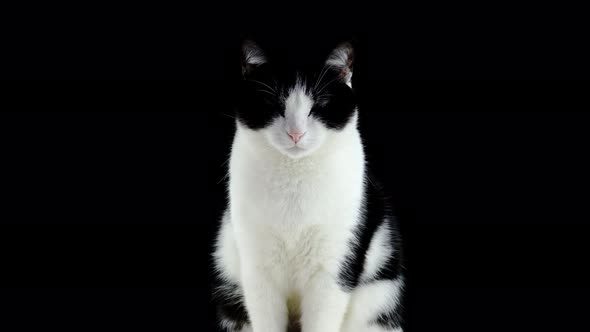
(296, 110)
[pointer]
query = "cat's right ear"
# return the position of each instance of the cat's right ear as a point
(252, 57)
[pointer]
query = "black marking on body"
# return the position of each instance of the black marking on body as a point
(229, 300)
(391, 319)
(392, 267)
(376, 212)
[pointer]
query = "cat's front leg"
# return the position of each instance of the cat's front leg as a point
(266, 305)
(324, 304)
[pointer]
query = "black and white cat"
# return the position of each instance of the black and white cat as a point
(307, 242)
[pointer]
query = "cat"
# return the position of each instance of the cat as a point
(307, 242)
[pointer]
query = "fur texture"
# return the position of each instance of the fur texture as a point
(307, 242)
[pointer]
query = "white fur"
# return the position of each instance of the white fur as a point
(293, 209)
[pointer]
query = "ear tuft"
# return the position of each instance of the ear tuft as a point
(341, 59)
(252, 57)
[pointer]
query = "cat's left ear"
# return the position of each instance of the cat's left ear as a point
(341, 59)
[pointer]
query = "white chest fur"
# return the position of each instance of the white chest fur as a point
(294, 216)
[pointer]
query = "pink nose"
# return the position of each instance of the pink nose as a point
(296, 136)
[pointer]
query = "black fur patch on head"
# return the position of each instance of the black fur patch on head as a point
(264, 87)
(334, 101)
(259, 100)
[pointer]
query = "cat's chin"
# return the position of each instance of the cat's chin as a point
(297, 152)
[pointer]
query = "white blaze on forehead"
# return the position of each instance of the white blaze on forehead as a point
(297, 107)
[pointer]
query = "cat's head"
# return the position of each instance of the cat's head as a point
(296, 109)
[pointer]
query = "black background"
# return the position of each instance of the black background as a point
(111, 190)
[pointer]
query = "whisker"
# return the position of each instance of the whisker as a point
(321, 76)
(223, 178)
(266, 91)
(229, 116)
(327, 84)
(264, 84)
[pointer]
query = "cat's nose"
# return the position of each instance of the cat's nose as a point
(296, 136)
